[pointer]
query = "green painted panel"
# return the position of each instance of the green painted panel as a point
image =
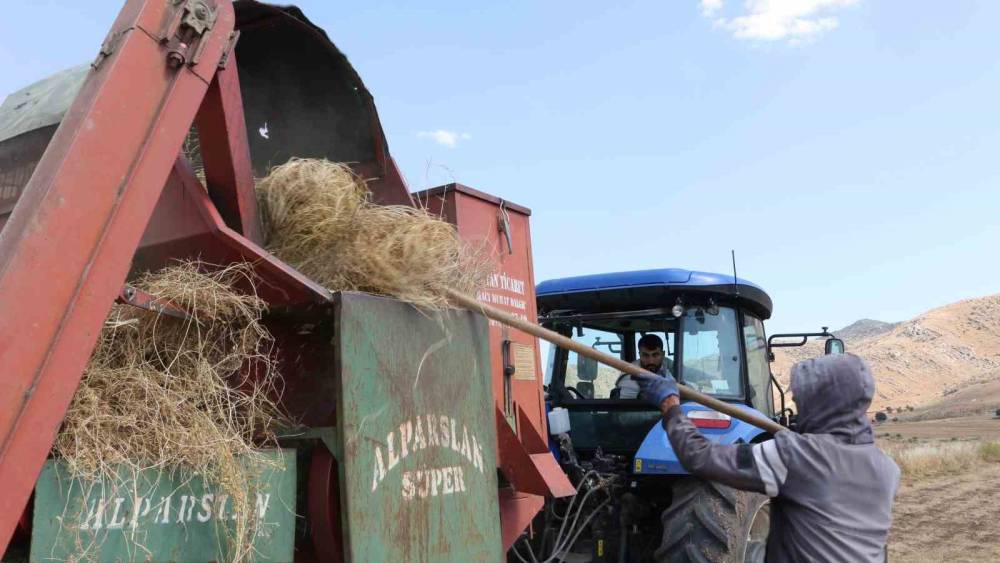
(418, 468)
(159, 516)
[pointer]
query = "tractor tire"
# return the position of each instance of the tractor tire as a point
(709, 522)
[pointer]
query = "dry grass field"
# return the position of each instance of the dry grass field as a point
(948, 505)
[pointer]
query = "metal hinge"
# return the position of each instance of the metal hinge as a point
(230, 45)
(184, 32)
(503, 226)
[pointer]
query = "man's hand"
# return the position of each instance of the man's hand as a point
(671, 402)
(661, 392)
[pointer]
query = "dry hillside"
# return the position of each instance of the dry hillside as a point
(918, 362)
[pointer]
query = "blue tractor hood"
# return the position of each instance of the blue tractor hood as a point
(647, 289)
(656, 456)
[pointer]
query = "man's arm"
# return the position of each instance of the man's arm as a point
(735, 465)
(750, 467)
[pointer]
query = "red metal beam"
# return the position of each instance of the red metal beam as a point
(517, 510)
(280, 283)
(222, 136)
(66, 250)
(535, 473)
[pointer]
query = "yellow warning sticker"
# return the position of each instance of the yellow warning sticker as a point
(638, 466)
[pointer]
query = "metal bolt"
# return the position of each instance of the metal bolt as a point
(174, 59)
(200, 12)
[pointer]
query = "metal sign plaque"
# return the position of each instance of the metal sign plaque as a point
(524, 361)
(159, 515)
(417, 434)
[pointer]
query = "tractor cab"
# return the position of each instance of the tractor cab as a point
(712, 334)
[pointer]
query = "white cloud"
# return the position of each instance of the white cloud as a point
(775, 20)
(710, 7)
(444, 137)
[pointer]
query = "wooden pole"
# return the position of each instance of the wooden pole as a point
(686, 392)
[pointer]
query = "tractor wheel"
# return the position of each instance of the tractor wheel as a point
(711, 522)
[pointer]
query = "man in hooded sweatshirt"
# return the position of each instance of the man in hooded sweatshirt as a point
(831, 489)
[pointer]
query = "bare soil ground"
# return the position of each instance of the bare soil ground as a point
(948, 518)
(983, 427)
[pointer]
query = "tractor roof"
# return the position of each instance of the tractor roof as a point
(644, 289)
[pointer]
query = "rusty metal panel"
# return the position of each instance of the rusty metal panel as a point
(502, 228)
(76, 226)
(416, 433)
(517, 510)
(160, 515)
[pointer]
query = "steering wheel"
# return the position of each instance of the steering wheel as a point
(575, 392)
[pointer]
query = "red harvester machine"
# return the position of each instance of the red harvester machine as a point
(104, 192)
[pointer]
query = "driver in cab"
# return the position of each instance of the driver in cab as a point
(651, 358)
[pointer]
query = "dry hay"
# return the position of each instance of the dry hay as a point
(919, 460)
(318, 216)
(161, 392)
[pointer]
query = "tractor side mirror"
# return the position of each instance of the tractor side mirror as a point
(834, 346)
(586, 368)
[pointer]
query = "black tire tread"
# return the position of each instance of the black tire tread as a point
(705, 522)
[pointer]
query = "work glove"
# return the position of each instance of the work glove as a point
(656, 389)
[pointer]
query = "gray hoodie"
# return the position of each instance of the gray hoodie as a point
(832, 488)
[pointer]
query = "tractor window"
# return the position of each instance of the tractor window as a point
(590, 379)
(757, 365)
(711, 352)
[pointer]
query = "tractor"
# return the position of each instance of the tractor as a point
(641, 500)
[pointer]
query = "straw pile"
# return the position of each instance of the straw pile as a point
(318, 216)
(162, 392)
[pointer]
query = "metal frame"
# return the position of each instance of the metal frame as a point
(804, 336)
(75, 228)
(111, 193)
(111, 178)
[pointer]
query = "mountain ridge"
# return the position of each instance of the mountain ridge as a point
(916, 361)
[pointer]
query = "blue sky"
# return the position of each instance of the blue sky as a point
(846, 149)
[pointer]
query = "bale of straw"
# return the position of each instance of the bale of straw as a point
(162, 392)
(319, 217)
